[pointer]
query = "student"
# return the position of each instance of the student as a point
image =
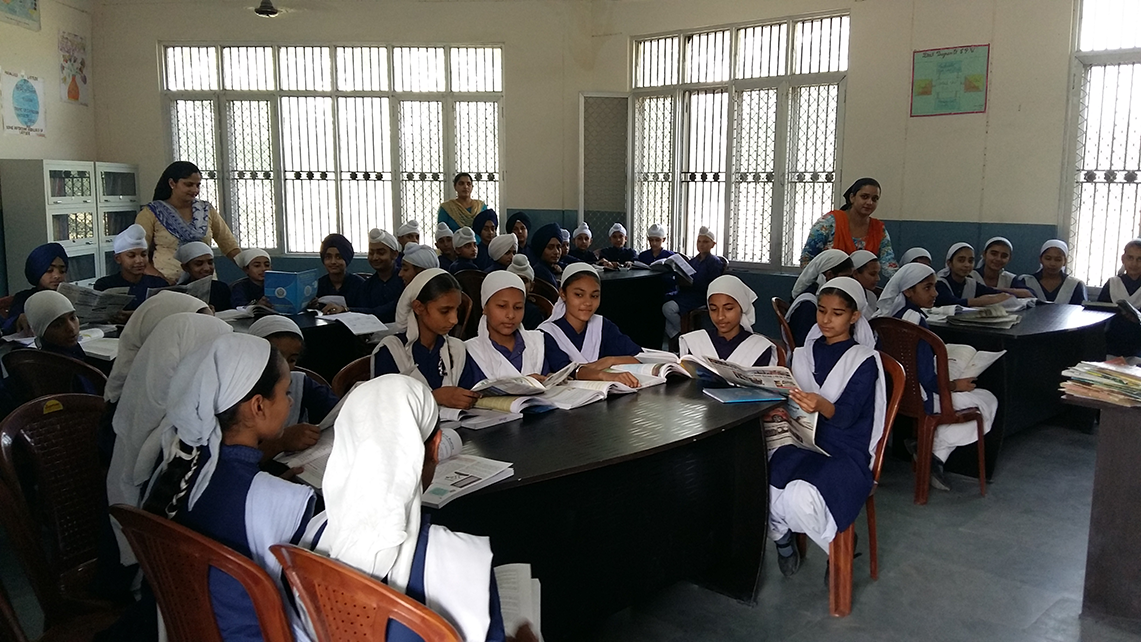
(250, 290)
(424, 351)
(956, 286)
(731, 338)
(445, 245)
(581, 249)
(1051, 282)
(690, 296)
(197, 261)
(501, 251)
(51, 317)
(466, 251)
(131, 254)
(575, 333)
(916, 255)
(532, 315)
(839, 375)
(655, 237)
(417, 258)
(408, 232)
(866, 270)
(991, 268)
(45, 268)
(825, 266)
(336, 255)
(379, 467)
(486, 227)
(547, 248)
(906, 295)
(1123, 336)
(617, 254)
(381, 290)
(565, 258)
(231, 395)
(501, 349)
(519, 224)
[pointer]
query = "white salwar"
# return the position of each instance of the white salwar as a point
(948, 437)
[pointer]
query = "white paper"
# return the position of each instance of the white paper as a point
(333, 299)
(101, 348)
(518, 600)
(312, 460)
(92, 306)
(462, 475)
(964, 362)
(358, 323)
(199, 289)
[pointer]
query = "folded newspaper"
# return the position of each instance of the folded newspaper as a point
(95, 307)
(199, 289)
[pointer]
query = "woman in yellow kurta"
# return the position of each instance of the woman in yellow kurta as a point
(176, 217)
(461, 210)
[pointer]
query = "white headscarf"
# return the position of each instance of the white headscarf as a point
(443, 231)
(405, 319)
(499, 280)
(860, 258)
(191, 251)
(409, 227)
(564, 235)
(914, 253)
(862, 332)
(245, 256)
(43, 308)
(560, 308)
(820, 264)
(500, 244)
(707, 233)
(142, 322)
(463, 236)
(132, 238)
(656, 232)
(272, 324)
(617, 227)
(521, 267)
(946, 271)
(421, 256)
(732, 286)
(1061, 245)
(908, 276)
(583, 228)
(991, 241)
(380, 236)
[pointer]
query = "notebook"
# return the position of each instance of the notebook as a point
(741, 395)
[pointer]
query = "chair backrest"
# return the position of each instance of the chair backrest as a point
(53, 501)
(176, 562)
(466, 324)
(782, 356)
(545, 290)
(312, 375)
(781, 310)
(345, 604)
(357, 370)
(35, 373)
(471, 281)
(900, 339)
(545, 306)
(898, 379)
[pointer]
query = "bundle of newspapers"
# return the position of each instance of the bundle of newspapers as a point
(1113, 381)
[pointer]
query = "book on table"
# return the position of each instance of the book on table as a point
(742, 395)
(523, 384)
(462, 475)
(476, 418)
(519, 597)
(1114, 381)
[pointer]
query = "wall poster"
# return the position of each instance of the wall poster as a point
(23, 104)
(952, 80)
(73, 86)
(25, 13)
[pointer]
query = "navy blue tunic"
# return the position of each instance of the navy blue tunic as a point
(585, 256)
(317, 400)
(803, 317)
(137, 290)
(482, 258)
(220, 296)
(244, 292)
(617, 254)
(691, 297)
(725, 347)
(495, 266)
(543, 273)
(379, 296)
(78, 383)
(647, 256)
(463, 264)
(1122, 337)
(428, 362)
(1076, 298)
(613, 343)
(350, 288)
(532, 316)
(948, 291)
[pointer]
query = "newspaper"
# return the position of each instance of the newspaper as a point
(358, 323)
(964, 362)
(96, 307)
(791, 425)
(462, 475)
(199, 289)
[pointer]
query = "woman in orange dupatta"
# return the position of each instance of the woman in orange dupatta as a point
(461, 210)
(852, 228)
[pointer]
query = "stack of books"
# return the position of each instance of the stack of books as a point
(1113, 381)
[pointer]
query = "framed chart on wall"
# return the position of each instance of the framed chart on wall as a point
(25, 13)
(952, 80)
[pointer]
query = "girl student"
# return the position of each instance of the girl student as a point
(906, 294)
(382, 288)
(131, 254)
(1123, 337)
(251, 288)
(428, 311)
(501, 250)
(501, 348)
(655, 237)
(45, 268)
(866, 270)
(731, 310)
(956, 286)
(916, 255)
(336, 255)
(839, 375)
(417, 258)
(486, 227)
(575, 333)
(197, 260)
(547, 248)
(617, 253)
(1051, 282)
(227, 399)
(801, 315)
(445, 245)
(532, 315)
(466, 251)
(991, 268)
(581, 239)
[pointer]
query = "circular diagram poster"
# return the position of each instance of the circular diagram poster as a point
(23, 104)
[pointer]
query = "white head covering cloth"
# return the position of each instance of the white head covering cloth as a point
(656, 231)
(908, 276)
(500, 244)
(583, 228)
(499, 280)
(132, 238)
(617, 227)
(245, 256)
(862, 332)
(463, 236)
(914, 253)
(1061, 245)
(820, 264)
(521, 267)
(443, 231)
(142, 322)
(421, 256)
(732, 286)
(950, 253)
(380, 236)
(272, 324)
(560, 308)
(405, 320)
(860, 258)
(564, 235)
(191, 251)
(43, 308)
(707, 233)
(408, 227)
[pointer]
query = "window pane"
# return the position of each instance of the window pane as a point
(707, 57)
(1110, 24)
(192, 123)
(703, 173)
(477, 69)
(754, 172)
(247, 68)
(307, 160)
(762, 51)
(362, 68)
(821, 45)
(421, 162)
(418, 68)
(810, 185)
(656, 62)
(305, 69)
(477, 148)
(191, 68)
(653, 161)
(366, 167)
(252, 213)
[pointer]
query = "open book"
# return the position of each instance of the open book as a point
(519, 599)
(523, 384)
(652, 374)
(461, 475)
(199, 289)
(95, 307)
(677, 264)
(964, 362)
(477, 418)
(358, 323)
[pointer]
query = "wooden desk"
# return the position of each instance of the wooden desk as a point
(1049, 339)
(633, 300)
(623, 497)
(329, 345)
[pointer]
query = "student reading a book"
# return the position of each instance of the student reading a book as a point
(382, 289)
(486, 227)
(519, 224)
(250, 289)
(916, 255)
(731, 338)
(691, 295)
(228, 397)
(582, 237)
(197, 260)
(655, 238)
(45, 268)
(547, 248)
(840, 376)
(617, 254)
(906, 294)
(955, 284)
(417, 258)
(501, 349)
(575, 333)
(1123, 336)
(532, 315)
(1051, 282)
(131, 254)
(379, 468)
(501, 250)
(445, 245)
(801, 315)
(423, 350)
(336, 255)
(866, 270)
(466, 251)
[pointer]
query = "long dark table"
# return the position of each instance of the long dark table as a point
(620, 498)
(329, 345)
(1049, 339)
(633, 300)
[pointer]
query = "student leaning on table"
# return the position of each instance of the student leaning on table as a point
(502, 348)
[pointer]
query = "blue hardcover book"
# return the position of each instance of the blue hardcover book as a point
(742, 395)
(289, 292)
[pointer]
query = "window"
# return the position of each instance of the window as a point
(1106, 198)
(297, 142)
(738, 129)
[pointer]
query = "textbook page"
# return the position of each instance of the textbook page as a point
(95, 307)
(518, 597)
(649, 355)
(511, 404)
(476, 418)
(312, 460)
(571, 397)
(461, 475)
(653, 372)
(964, 362)
(358, 323)
(524, 384)
(605, 387)
(199, 289)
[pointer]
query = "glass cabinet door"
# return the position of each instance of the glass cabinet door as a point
(72, 229)
(115, 221)
(109, 265)
(117, 187)
(69, 186)
(81, 269)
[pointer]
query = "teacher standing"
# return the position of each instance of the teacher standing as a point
(176, 217)
(852, 228)
(461, 210)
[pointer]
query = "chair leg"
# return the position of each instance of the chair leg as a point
(840, 553)
(873, 548)
(982, 457)
(802, 545)
(923, 460)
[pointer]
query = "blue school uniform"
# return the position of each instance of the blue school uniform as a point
(482, 258)
(617, 254)
(445, 262)
(17, 308)
(543, 273)
(78, 383)
(1076, 298)
(428, 362)
(844, 479)
(378, 296)
(691, 297)
(317, 401)
(948, 291)
(244, 292)
(924, 357)
(612, 344)
(462, 264)
(514, 356)
(1122, 337)
(495, 266)
(568, 259)
(803, 317)
(585, 256)
(220, 296)
(137, 290)
(725, 347)
(350, 288)
(647, 256)
(532, 315)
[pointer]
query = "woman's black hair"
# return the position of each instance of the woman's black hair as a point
(176, 171)
(843, 266)
(438, 286)
(578, 275)
(849, 302)
(459, 176)
(856, 187)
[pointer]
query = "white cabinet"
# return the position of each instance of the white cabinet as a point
(80, 205)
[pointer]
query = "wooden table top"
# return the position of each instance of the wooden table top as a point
(1042, 319)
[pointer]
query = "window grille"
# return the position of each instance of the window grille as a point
(653, 158)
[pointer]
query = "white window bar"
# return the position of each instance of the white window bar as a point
(477, 69)
(192, 126)
(310, 205)
(653, 161)
(821, 45)
(707, 57)
(366, 166)
(476, 151)
(191, 69)
(247, 68)
(251, 176)
(418, 69)
(305, 68)
(657, 62)
(1109, 24)
(703, 174)
(762, 52)
(750, 228)
(362, 68)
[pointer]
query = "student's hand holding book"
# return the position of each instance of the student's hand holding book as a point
(524, 634)
(812, 402)
(454, 397)
(962, 385)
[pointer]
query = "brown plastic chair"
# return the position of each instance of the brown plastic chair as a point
(467, 318)
(35, 373)
(53, 502)
(781, 310)
(312, 375)
(901, 339)
(545, 306)
(345, 604)
(471, 281)
(782, 356)
(545, 290)
(177, 561)
(692, 320)
(357, 370)
(80, 629)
